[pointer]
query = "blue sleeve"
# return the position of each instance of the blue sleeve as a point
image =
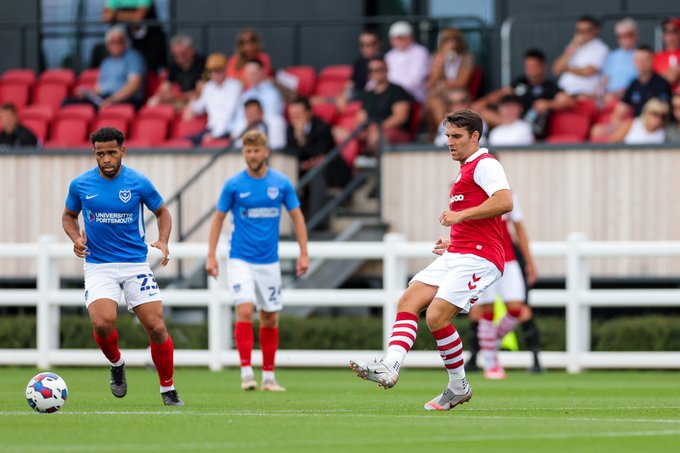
(226, 201)
(290, 198)
(151, 198)
(73, 198)
(136, 64)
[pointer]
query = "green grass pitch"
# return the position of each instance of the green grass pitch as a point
(332, 410)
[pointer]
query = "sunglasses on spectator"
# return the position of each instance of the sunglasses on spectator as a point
(250, 40)
(116, 41)
(657, 114)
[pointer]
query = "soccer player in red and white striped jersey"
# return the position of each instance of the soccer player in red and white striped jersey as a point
(454, 281)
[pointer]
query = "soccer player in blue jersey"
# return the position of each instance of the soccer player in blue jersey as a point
(255, 196)
(112, 199)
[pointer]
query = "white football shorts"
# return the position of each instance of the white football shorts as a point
(255, 283)
(510, 286)
(461, 278)
(111, 280)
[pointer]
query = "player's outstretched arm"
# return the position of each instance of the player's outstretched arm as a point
(301, 235)
(211, 263)
(69, 221)
(497, 204)
(164, 221)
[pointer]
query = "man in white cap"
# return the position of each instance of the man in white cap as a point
(408, 62)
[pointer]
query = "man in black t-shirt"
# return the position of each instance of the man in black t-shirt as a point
(648, 83)
(184, 74)
(538, 93)
(387, 106)
(13, 134)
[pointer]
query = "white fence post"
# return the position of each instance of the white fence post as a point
(394, 275)
(577, 314)
(47, 315)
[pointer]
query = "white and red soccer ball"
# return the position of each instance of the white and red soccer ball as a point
(46, 392)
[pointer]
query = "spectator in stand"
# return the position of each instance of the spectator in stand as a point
(452, 67)
(667, 61)
(646, 128)
(274, 126)
(513, 130)
(580, 65)
(218, 99)
(248, 47)
(387, 107)
(12, 133)
(673, 127)
(121, 75)
(538, 93)
(369, 47)
(312, 139)
(260, 88)
(619, 68)
(648, 85)
(408, 61)
(184, 76)
(458, 99)
(147, 39)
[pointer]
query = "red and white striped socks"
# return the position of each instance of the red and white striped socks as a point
(508, 322)
(488, 341)
(404, 333)
(451, 349)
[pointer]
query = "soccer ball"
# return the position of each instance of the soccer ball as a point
(46, 392)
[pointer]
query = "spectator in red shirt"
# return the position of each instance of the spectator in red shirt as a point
(667, 61)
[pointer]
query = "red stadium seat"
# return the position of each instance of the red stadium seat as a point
(338, 71)
(181, 143)
(350, 152)
(138, 143)
(415, 119)
(215, 143)
(20, 75)
(50, 93)
(571, 126)
(69, 132)
(44, 112)
(150, 128)
(306, 76)
(182, 129)
(87, 79)
(17, 93)
(58, 75)
(327, 112)
(167, 112)
(124, 111)
(119, 123)
(38, 126)
(330, 88)
(84, 111)
(475, 82)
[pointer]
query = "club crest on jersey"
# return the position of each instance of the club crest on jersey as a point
(124, 195)
(273, 192)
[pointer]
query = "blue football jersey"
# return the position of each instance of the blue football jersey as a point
(113, 214)
(256, 209)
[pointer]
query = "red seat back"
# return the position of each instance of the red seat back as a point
(338, 71)
(475, 82)
(119, 123)
(327, 112)
(183, 129)
(167, 112)
(329, 87)
(20, 75)
(306, 76)
(574, 122)
(86, 79)
(149, 128)
(58, 75)
(44, 112)
(83, 111)
(39, 127)
(50, 93)
(14, 92)
(124, 111)
(69, 132)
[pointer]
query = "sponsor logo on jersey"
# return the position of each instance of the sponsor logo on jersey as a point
(260, 213)
(124, 195)
(273, 192)
(109, 217)
(459, 197)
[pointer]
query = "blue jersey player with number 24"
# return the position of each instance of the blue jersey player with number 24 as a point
(112, 199)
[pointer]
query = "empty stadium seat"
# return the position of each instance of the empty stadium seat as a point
(326, 111)
(182, 143)
(51, 93)
(166, 112)
(124, 111)
(69, 132)
(84, 111)
(17, 93)
(112, 121)
(44, 112)
(329, 88)
(306, 76)
(182, 129)
(150, 128)
(338, 71)
(37, 118)
(19, 75)
(38, 126)
(58, 75)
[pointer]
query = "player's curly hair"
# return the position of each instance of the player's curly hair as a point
(107, 134)
(465, 119)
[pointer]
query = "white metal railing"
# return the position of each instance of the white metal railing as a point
(578, 298)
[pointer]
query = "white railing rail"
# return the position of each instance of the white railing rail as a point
(577, 299)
